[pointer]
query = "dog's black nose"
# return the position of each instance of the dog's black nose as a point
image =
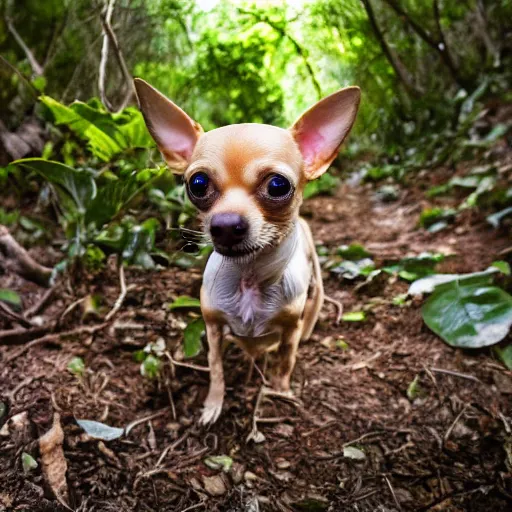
(228, 229)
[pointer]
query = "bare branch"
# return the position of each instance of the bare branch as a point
(104, 55)
(400, 71)
(37, 69)
(109, 37)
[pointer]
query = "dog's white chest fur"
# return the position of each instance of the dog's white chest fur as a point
(251, 294)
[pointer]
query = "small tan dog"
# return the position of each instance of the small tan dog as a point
(262, 285)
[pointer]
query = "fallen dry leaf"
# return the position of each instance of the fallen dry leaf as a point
(53, 462)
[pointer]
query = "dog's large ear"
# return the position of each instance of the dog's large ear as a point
(320, 131)
(175, 133)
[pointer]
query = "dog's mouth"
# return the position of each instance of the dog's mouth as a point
(234, 252)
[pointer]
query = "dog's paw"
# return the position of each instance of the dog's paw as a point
(211, 412)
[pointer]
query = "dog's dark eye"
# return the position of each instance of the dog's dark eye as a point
(198, 185)
(278, 186)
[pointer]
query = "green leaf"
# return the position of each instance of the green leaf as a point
(354, 316)
(140, 243)
(11, 298)
(185, 302)
(428, 284)
(352, 269)
(219, 462)
(150, 367)
(502, 266)
(326, 184)
(99, 430)
(469, 313)
(353, 252)
(431, 216)
(76, 366)
(414, 388)
(78, 185)
(117, 195)
(107, 134)
(412, 268)
(505, 355)
(192, 337)
(28, 462)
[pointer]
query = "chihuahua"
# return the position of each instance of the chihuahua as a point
(262, 285)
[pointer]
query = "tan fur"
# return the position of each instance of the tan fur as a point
(239, 160)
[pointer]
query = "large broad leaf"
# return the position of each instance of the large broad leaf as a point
(469, 313)
(428, 284)
(107, 134)
(77, 185)
(140, 243)
(118, 194)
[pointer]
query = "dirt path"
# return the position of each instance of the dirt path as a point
(445, 450)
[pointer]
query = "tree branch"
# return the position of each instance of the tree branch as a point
(109, 37)
(37, 69)
(439, 45)
(400, 71)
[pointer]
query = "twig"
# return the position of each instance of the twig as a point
(393, 492)
(43, 302)
(16, 259)
(70, 308)
(37, 69)
(25, 382)
(122, 295)
(12, 315)
(192, 507)
(186, 365)
(348, 443)
(55, 337)
(277, 419)
(22, 335)
(109, 37)
(24, 79)
(456, 374)
(134, 423)
(172, 446)
(338, 305)
(455, 421)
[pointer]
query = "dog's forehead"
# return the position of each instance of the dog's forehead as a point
(234, 148)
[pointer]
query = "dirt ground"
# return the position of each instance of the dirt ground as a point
(448, 449)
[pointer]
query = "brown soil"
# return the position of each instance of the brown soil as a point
(445, 450)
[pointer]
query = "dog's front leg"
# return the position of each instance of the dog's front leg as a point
(213, 403)
(286, 356)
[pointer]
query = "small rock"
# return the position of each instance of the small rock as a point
(282, 463)
(214, 485)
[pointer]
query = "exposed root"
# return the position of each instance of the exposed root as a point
(122, 295)
(14, 258)
(338, 305)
